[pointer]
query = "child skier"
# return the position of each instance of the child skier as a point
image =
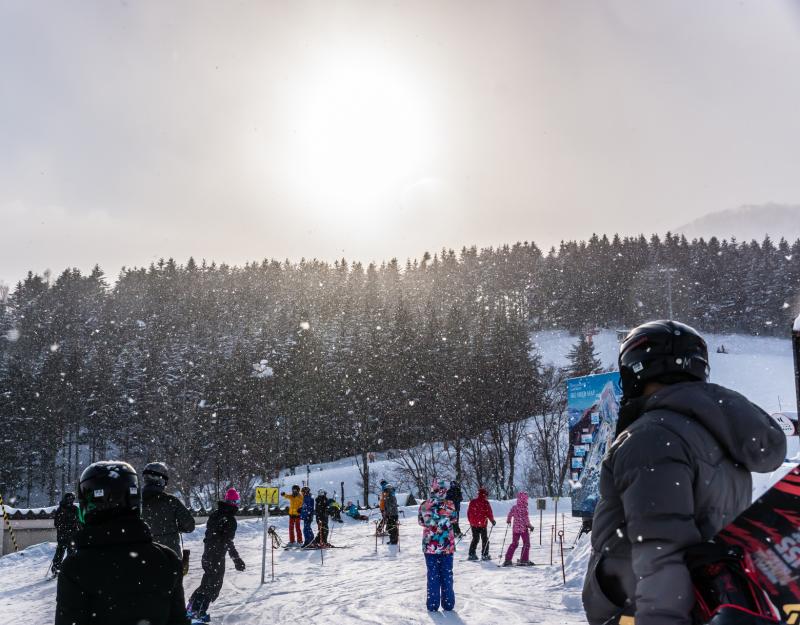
(220, 532)
(307, 516)
(321, 512)
(479, 514)
(67, 525)
(295, 503)
(437, 516)
(520, 530)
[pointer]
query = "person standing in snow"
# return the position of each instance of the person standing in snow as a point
(678, 471)
(520, 530)
(321, 512)
(165, 514)
(218, 542)
(437, 516)
(454, 495)
(295, 503)
(307, 515)
(479, 514)
(118, 574)
(381, 529)
(392, 514)
(67, 526)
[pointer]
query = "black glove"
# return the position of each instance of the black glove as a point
(494, 522)
(239, 564)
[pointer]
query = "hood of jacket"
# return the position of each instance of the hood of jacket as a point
(745, 431)
(438, 489)
(227, 508)
(522, 499)
(120, 530)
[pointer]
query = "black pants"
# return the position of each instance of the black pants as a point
(322, 533)
(210, 585)
(62, 547)
(393, 529)
(479, 533)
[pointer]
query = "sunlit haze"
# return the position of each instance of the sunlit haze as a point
(237, 131)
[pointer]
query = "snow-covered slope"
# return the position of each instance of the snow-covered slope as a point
(759, 367)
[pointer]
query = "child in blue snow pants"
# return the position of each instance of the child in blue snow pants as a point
(440, 581)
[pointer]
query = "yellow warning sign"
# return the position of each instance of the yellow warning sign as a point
(267, 495)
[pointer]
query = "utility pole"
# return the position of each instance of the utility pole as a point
(669, 271)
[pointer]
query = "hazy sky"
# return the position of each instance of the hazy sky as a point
(242, 130)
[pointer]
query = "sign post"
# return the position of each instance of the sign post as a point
(541, 504)
(266, 496)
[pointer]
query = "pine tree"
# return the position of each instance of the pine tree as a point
(583, 359)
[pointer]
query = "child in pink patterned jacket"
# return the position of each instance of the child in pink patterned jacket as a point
(520, 530)
(437, 516)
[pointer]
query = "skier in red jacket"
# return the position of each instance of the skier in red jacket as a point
(479, 514)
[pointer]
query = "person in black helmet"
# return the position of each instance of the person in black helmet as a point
(164, 514)
(118, 574)
(678, 472)
(67, 525)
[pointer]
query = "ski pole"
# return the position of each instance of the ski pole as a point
(500, 557)
(488, 538)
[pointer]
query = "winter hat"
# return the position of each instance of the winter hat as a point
(483, 493)
(232, 496)
(522, 498)
(439, 486)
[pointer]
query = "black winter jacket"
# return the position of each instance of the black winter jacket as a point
(166, 516)
(321, 504)
(673, 478)
(66, 522)
(119, 575)
(220, 532)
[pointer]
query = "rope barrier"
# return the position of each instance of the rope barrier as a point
(8, 525)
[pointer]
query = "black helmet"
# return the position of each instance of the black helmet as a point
(108, 488)
(661, 351)
(157, 469)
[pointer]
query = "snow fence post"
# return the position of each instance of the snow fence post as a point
(563, 570)
(264, 544)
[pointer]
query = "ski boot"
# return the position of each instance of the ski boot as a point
(472, 557)
(508, 563)
(525, 563)
(486, 558)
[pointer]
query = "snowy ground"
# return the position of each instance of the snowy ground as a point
(354, 586)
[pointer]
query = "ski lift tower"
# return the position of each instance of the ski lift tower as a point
(669, 271)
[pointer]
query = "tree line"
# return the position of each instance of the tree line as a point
(226, 372)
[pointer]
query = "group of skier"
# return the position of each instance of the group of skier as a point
(679, 469)
(124, 565)
(303, 507)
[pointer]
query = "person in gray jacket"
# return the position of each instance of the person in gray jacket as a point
(678, 471)
(166, 516)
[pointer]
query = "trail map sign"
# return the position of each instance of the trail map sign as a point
(593, 408)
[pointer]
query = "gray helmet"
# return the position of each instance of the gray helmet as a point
(157, 469)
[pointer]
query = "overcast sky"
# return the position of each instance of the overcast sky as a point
(233, 131)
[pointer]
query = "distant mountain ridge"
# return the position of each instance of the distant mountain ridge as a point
(752, 221)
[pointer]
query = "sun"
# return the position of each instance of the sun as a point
(363, 131)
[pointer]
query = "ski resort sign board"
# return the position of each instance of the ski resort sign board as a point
(593, 408)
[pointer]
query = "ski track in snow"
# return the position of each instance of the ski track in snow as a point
(353, 587)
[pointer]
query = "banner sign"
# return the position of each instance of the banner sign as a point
(593, 408)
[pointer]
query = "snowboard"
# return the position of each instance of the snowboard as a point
(768, 536)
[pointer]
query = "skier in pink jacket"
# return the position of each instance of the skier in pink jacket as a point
(520, 530)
